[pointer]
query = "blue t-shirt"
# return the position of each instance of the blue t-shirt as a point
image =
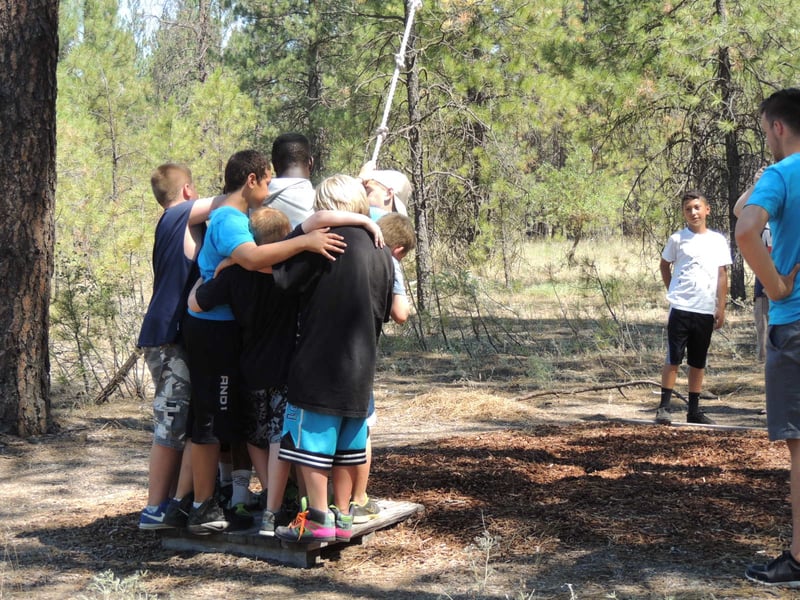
(228, 229)
(778, 192)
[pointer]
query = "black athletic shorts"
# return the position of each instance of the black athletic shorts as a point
(214, 348)
(689, 333)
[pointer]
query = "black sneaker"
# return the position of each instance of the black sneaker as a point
(783, 570)
(207, 518)
(698, 417)
(239, 517)
(177, 513)
(663, 416)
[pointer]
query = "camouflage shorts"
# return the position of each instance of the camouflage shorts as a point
(265, 410)
(170, 371)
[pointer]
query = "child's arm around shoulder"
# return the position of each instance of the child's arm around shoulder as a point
(202, 209)
(341, 218)
(321, 241)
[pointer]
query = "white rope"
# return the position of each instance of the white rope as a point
(399, 62)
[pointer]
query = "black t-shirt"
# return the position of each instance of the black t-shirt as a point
(343, 305)
(268, 320)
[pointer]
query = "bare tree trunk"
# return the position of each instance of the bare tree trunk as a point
(732, 158)
(424, 259)
(28, 56)
(318, 136)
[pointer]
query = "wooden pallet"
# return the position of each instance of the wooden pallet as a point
(250, 543)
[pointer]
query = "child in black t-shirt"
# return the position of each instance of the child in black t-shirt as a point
(342, 307)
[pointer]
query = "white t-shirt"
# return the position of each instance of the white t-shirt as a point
(293, 196)
(696, 259)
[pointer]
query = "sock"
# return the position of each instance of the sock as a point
(196, 504)
(666, 396)
(241, 487)
(225, 474)
(694, 402)
(151, 508)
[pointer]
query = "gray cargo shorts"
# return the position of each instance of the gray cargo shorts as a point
(782, 375)
(170, 371)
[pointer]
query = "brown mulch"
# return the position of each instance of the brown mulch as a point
(671, 498)
(630, 511)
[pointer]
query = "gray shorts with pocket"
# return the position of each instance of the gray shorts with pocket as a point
(782, 375)
(170, 371)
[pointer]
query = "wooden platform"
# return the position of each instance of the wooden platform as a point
(250, 543)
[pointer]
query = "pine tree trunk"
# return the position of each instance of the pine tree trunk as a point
(28, 56)
(424, 259)
(732, 158)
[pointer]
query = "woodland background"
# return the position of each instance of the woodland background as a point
(578, 121)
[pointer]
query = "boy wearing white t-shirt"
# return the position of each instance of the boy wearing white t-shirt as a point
(694, 269)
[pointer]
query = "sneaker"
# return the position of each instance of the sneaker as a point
(343, 522)
(154, 519)
(239, 517)
(177, 513)
(271, 520)
(309, 525)
(223, 494)
(698, 417)
(207, 518)
(783, 570)
(253, 501)
(364, 512)
(663, 416)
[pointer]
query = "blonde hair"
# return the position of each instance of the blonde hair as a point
(341, 192)
(398, 231)
(167, 181)
(269, 225)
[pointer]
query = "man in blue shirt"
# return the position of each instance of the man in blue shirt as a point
(776, 200)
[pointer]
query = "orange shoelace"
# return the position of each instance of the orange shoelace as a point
(300, 522)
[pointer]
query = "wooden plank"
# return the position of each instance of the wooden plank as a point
(250, 543)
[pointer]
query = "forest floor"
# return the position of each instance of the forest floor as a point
(553, 491)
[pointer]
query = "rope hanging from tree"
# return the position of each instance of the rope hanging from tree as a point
(399, 62)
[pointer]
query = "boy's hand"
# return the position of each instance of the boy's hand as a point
(785, 285)
(719, 318)
(224, 264)
(322, 242)
(376, 233)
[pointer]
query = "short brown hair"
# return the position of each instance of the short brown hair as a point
(784, 106)
(398, 231)
(269, 225)
(167, 181)
(692, 195)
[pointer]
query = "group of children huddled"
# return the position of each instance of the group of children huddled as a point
(262, 332)
(289, 313)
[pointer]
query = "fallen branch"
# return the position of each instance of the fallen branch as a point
(599, 388)
(106, 392)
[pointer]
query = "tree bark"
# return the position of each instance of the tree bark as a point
(28, 57)
(733, 165)
(424, 259)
